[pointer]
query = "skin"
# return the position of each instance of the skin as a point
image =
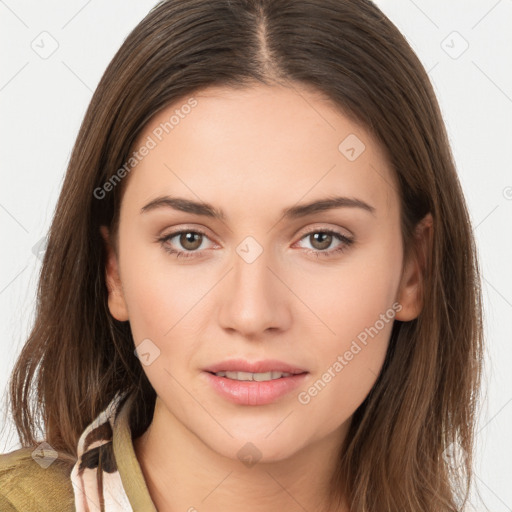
(252, 153)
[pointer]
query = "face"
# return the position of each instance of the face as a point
(259, 277)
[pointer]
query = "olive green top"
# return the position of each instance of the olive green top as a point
(27, 486)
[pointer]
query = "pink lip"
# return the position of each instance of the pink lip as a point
(241, 365)
(253, 392)
(250, 392)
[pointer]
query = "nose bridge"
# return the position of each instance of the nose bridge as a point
(254, 299)
(251, 272)
(252, 277)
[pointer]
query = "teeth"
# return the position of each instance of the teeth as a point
(259, 377)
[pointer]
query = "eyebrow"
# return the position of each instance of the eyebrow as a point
(294, 212)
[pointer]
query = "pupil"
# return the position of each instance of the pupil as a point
(326, 242)
(189, 239)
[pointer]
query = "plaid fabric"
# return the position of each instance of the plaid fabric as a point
(96, 481)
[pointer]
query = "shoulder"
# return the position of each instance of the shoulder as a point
(36, 479)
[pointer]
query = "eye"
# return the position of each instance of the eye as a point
(321, 239)
(190, 240)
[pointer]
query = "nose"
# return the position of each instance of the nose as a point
(254, 298)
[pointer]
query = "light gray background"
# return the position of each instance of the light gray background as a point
(43, 99)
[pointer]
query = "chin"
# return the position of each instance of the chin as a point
(258, 448)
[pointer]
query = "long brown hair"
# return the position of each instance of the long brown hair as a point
(423, 405)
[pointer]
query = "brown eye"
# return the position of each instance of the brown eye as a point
(322, 240)
(184, 243)
(190, 240)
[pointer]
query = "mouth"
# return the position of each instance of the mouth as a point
(254, 383)
(258, 377)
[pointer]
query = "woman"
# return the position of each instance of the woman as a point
(261, 289)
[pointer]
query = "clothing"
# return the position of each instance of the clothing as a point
(105, 476)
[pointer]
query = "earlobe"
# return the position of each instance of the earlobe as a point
(410, 292)
(116, 301)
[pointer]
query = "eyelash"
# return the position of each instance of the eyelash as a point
(346, 243)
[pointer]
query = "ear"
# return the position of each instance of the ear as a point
(116, 301)
(410, 291)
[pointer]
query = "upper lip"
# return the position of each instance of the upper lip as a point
(264, 366)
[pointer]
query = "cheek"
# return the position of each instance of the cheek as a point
(349, 361)
(162, 304)
(167, 308)
(335, 393)
(350, 296)
(357, 307)
(159, 294)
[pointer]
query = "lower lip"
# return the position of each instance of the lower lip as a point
(249, 392)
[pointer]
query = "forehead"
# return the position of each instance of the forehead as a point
(259, 143)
